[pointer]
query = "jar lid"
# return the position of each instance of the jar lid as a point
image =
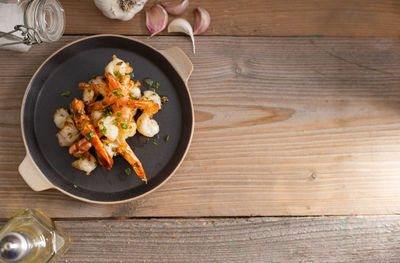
(13, 247)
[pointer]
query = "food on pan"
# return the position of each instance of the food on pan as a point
(111, 110)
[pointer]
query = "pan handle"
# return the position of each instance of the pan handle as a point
(180, 61)
(32, 175)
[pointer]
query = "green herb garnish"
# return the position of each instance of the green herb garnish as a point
(116, 92)
(75, 186)
(66, 94)
(119, 114)
(157, 85)
(104, 103)
(155, 142)
(103, 131)
(124, 126)
(167, 138)
(148, 82)
(128, 171)
(89, 135)
(116, 73)
(83, 157)
(101, 122)
(93, 77)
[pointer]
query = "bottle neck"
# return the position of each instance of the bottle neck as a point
(46, 17)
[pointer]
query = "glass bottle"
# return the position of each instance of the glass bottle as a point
(32, 237)
(24, 23)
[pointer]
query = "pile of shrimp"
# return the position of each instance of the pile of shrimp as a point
(104, 119)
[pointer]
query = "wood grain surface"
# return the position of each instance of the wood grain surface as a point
(320, 239)
(258, 18)
(284, 126)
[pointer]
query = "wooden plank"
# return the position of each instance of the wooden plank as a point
(284, 126)
(258, 18)
(323, 239)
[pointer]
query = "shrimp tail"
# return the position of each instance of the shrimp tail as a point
(126, 152)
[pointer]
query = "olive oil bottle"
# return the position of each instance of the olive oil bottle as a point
(32, 237)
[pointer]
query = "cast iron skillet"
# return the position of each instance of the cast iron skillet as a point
(47, 165)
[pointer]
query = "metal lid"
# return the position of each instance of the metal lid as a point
(13, 247)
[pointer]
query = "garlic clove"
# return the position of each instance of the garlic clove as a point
(202, 20)
(156, 19)
(182, 25)
(176, 7)
(120, 9)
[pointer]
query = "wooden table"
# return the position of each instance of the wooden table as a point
(297, 107)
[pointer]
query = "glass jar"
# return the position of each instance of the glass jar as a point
(32, 237)
(24, 23)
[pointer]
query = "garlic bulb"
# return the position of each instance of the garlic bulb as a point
(156, 19)
(202, 20)
(120, 9)
(176, 7)
(182, 25)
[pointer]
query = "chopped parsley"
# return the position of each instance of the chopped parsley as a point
(66, 93)
(148, 82)
(155, 142)
(116, 92)
(128, 171)
(116, 121)
(103, 131)
(83, 157)
(75, 186)
(89, 135)
(157, 85)
(116, 73)
(93, 77)
(119, 114)
(104, 103)
(124, 126)
(167, 138)
(101, 122)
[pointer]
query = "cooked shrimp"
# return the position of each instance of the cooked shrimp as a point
(146, 105)
(151, 95)
(130, 156)
(86, 163)
(110, 98)
(146, 125)
(88, 95)
(80, 147)
(112, 116)
(99, 85)
(96, 116)
(67, 135)
(127, 132)
(107, 127)
(82, 121)
(60, 116)
(118, 65)
(111, 147)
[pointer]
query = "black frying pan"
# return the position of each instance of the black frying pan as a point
(47, 165)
